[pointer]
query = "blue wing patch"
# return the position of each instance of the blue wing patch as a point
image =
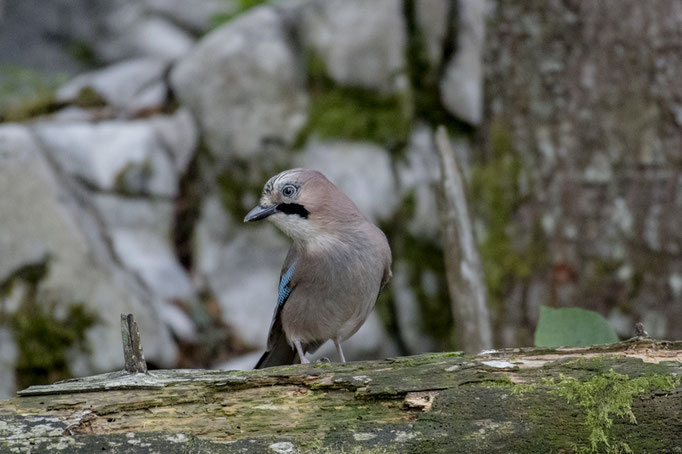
(284, 288)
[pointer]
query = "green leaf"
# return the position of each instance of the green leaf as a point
(572, 327)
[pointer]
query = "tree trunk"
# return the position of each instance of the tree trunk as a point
(605, 398)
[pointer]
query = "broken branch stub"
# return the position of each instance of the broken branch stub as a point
(463, 270)
(132, 348)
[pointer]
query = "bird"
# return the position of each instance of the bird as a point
(334, 271)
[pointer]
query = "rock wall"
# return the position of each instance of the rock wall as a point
(124, 190)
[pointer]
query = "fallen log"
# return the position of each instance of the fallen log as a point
(609, 398)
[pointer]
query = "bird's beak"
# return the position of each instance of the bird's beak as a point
(260, 212)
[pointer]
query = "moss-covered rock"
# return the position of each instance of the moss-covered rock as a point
(354, 113)
(26, 94)
(45, 340)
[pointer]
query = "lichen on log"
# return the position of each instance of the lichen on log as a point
(514, 400)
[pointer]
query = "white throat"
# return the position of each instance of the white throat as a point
(304, 232)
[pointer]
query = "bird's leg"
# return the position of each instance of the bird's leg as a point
(301, 355)
(339, 351)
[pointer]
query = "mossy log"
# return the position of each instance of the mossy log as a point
(613, 398)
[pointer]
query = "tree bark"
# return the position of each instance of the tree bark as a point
(515, 400)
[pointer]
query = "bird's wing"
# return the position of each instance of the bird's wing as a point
(284, 289)
(279, 352)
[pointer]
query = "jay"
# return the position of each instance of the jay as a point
(337, 265)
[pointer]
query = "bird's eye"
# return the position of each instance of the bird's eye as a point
(288, 190)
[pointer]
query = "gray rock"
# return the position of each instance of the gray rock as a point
(42, 219)
(12, 300)
(139, 231)
(363, 171)
(196, 16)
(419, 177)
(179, 135)
(8, 359)
(157, 37)
(462, 83)
(361, 43)
(179, 322)
(19, 155)
(151, 257)
(129, 86)
(132, 213)
(112, 155)
(132, 32)
(241, 267)
(244, 84)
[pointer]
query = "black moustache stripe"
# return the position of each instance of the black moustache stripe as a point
(293, 208)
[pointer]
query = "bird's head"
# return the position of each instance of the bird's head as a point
(305, 205)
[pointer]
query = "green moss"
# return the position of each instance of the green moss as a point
(35, 107)
(25, 93)
(133, 178)
(44, 341)
(595, 363)
(88, 97)
(83, 52)
(31, 274)
(444, 355)
(604, 397)
(521, 388)
(354, 113)
(501, 381)
(496, 197)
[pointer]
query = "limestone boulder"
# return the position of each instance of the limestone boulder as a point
(46, 224)
(244, 84)
(112, 156)
(131, 30)
(128, 86)
(360, 43)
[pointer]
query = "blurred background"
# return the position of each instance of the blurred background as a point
(136, 134)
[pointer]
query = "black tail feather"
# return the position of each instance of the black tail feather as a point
(280, 354)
